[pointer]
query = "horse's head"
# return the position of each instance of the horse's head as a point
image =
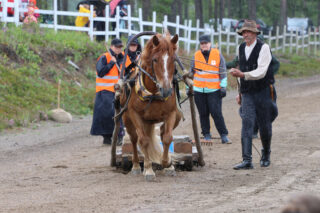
(158, 59)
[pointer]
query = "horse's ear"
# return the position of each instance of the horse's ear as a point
(175, 38)
(155, 40)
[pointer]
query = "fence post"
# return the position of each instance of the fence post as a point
(277, 38)
(129, 20)
(117, 22)
(220, 37)
(270, 39)
(284, 38)
(291, 35)
(165, 23)
(16, 12)
(228, 41)
(309, 40)
(4, 13)
(189, 36)
(197, 34)
(212, 34)
(154, 21)
(91, 23)
(185, 34)
(107, 23)
(237, 43)
(297, 42)
(315, 42)
(141, 26)
(55, 16)
(178, 24)
(302, 43)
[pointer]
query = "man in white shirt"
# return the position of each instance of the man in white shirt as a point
(257, 94)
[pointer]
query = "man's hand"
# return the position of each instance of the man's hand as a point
(238, 99)
(236, 73)
(223, 92)
(113, 59)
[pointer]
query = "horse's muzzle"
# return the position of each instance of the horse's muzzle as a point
(165, 92)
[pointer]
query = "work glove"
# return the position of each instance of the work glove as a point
(223, 92)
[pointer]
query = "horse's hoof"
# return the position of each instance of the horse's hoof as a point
(136, 171)
(170, 172)
(150, 177)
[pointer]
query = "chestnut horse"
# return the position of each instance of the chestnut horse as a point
(152, 101)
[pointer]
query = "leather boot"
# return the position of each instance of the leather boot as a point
(246, 155)
(265, 158)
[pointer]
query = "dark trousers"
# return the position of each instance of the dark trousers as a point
(210, 103)
(257, 106)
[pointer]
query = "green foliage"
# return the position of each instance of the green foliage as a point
(298, 66)
(34, 60)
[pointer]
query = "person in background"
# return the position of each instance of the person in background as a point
(83, 21)
(23, 6)
(30, 18)
(210, 82)
(134, 51)
(257, 94)
(33, 4)
(107, 76)
(122, 4)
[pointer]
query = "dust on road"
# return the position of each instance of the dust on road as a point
(61, 168)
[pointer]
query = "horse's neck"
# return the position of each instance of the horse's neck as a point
(148, 83)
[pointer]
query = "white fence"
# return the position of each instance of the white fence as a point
(188, 34)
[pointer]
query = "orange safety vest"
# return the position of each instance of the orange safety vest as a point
(128, 62)
(108, 81)
(209, 77)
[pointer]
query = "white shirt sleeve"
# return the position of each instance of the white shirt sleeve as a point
(264, 60)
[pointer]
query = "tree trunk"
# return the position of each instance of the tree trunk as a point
(318, 14)
(229, 8)
(252, 9)
(240, 8)
(283, 14)
(146, 10)
(221, 11)
(216, 6)
(210, 10)
(199, 12)
(186, 9)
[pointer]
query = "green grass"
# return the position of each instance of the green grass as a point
(32, 60)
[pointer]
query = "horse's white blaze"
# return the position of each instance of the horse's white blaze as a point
(165, 60)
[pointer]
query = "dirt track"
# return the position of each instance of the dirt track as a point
(61, 168)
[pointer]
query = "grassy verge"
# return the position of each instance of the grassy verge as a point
(32, 60)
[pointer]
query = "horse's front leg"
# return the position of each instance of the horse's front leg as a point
(166, 137)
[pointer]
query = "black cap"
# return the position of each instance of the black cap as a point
(204, 38)
(117, 42)
(134, 41)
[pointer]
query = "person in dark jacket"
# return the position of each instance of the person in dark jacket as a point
(257, 94)
(107, 76)
(210, 82)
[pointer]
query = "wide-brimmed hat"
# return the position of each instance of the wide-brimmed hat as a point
(249, 25)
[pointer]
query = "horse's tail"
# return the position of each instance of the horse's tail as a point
(154, 148)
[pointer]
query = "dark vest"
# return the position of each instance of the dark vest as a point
(252, 64)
